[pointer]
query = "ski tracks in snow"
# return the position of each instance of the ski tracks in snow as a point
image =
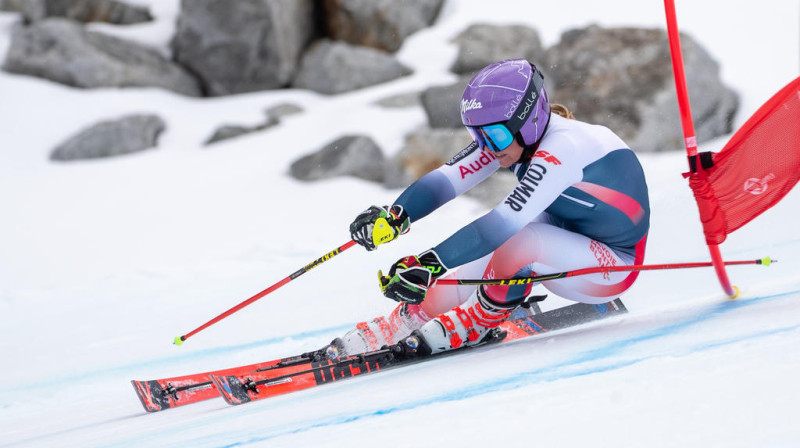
(602, 347)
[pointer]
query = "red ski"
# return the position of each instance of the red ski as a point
(243, 387)
(166, 393)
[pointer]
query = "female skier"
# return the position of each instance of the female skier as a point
(581, 201)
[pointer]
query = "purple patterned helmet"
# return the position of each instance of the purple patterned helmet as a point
(509, 92)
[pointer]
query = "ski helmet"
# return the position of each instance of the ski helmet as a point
(511, 93)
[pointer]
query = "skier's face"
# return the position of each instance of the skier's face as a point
(510, 155)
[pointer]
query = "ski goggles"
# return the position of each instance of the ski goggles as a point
(496, 137)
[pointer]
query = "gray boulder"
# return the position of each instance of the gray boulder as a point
(332, 67)
(11, 5)
(110, 11)
(274, 115)
(442, 104)
(230, 131)
(622, 78)
(111, 138)
(424, 150)
(279, 111)
(427, 149)
(401, 101)
(381, 24)
(480, 45)
(353, 155)
(63, 51)
(243, 45)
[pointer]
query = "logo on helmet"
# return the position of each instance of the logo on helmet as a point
(512, 106)
(528, 105)
(469, 105)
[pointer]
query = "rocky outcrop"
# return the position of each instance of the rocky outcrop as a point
(427, 149)
(11, 5)
(111, 138)
(424, 150)
(443, 104)
(332, 67)
(480, 45)
(63, 51)
(622, 78)
(243, 46)
(380, 24)
(232, 47)
(110, 11)
(401, 101)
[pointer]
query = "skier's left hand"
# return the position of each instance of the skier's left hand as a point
(409, 278)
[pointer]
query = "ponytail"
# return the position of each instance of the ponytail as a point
(562, 110)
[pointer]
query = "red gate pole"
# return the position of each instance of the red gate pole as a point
(690, 140)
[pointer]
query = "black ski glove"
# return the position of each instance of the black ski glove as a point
(377, 225)
(410, 278)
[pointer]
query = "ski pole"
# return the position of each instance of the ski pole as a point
(766, 261)
(179, 339)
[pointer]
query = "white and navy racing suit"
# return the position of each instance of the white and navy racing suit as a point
(580, 202)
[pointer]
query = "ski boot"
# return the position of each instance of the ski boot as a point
(471, 323)
(380, 332)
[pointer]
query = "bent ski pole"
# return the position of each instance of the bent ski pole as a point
(766, 261)
(179, 339)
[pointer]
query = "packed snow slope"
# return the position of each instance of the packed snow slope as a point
(103, 263)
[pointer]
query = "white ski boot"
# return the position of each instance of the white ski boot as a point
(370, 336)
(466, 324)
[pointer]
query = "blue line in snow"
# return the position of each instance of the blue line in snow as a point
(581, 365)
(180, 358)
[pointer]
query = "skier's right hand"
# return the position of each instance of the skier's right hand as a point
(410, 278)
(377, 225)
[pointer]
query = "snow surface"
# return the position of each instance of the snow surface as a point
(103, 263)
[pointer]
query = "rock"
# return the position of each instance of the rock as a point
(11, 5)
(244, 45)
(427, 149)
(332, 67)
(110, 11)
(274, 114)
(443, 104)
(622, 78)
(481, 45)
(62, 51)
(401, 101)
(283, 110)
(380, 24)
(111, 138)
(232, 131)
(352, 155)
(424, 150)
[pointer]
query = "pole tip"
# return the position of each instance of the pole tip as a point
(766, 261)
(178, 340)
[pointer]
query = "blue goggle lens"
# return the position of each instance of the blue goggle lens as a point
(495, 136)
